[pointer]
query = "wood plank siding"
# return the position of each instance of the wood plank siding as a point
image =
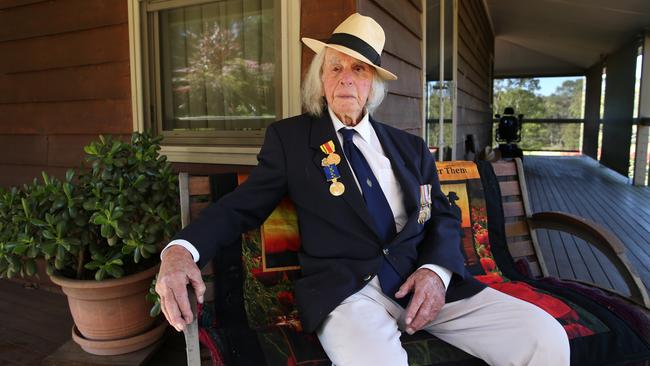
(64, 79)
(475, 64)
(318, 19)
(402, 22)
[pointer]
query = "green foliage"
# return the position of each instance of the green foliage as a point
(16, 245)
(218, 62)
(519, 94)
(263, 304)
(108, 222)
(564, 103)
(153, 297)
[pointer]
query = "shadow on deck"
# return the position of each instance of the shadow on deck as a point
(580, 185)
(33, 323)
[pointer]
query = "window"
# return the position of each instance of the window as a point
(214, 71)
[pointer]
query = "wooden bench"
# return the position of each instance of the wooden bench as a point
(522, 223)
(520, 226)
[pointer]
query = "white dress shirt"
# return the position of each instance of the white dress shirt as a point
(368, 143)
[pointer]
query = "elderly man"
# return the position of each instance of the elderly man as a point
(380, 246)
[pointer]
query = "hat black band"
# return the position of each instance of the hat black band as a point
(357, 44)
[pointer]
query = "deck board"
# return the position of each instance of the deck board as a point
(580, 185)
(563, 243)
(33, 323)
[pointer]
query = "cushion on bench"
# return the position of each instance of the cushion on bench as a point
(257, 321)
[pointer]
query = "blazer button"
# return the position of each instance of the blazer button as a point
(367, 278)
(385, 251)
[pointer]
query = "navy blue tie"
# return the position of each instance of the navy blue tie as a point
(378, 208)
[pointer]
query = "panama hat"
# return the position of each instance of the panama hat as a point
(357, 36)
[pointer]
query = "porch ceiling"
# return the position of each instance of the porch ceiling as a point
(561, 37)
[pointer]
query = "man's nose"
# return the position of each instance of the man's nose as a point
(346, 78)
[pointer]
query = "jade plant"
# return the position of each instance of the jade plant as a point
(108, 221)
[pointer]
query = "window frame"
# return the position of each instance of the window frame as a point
(221, 147)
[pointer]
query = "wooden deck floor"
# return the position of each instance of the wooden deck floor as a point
(33, 324)
(580, 185)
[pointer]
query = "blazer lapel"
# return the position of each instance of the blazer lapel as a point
(322, 130)
(407, 178)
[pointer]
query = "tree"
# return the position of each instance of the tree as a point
(564, 103)
(519, 94)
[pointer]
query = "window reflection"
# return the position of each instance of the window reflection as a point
(218, 66)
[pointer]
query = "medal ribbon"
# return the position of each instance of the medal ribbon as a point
(328, 147)
(331, 172)
(425, 195)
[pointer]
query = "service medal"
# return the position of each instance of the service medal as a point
(329, 164)
(424, 215)
(332, 173)
(333, 159)
(425, 204)
(337, 188)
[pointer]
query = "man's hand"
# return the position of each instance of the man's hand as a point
(176, 271)
(428, 298)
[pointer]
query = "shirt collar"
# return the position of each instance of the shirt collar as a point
(363, 128)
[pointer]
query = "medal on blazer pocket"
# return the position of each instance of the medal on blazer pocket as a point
(333, 159)
(332, 173)
(425, 204)
(337, 188)
(329, 164)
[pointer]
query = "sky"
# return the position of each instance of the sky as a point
(548, 85)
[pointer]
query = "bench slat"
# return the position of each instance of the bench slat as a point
(199, 185)
(513, 209)
(535, 269)
(196, 207)
(502, 168)
(510, 188)
(522, 248)
(519, 228)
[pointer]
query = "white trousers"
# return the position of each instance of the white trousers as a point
(497, 328)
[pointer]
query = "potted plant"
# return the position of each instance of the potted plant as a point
(100, 234)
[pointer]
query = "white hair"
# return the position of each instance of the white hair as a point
(313, 99)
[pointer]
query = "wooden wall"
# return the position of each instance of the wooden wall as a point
(64, 79)
(475, 69)
(318, 19)
(402, 53)
(64, 74)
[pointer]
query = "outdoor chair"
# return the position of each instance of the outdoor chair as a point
(252, 319)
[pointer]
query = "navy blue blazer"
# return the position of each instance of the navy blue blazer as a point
(340, 250)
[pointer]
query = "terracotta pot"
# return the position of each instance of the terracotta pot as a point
(119, 346)
(110, 309)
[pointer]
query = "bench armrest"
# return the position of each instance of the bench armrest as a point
(599, 237)
(191, 333)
